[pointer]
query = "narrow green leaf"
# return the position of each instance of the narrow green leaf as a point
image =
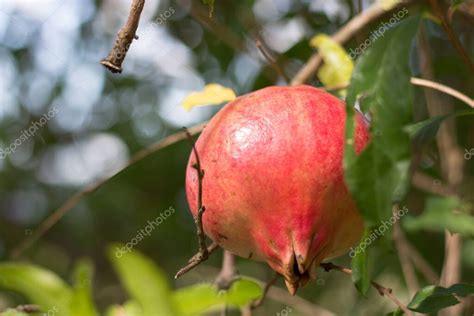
(82, 303)
(438, 215)
(145, 282)
(40, 286)
(424, 131)
(13, 312)
(432, 298)
(360, 273)
(381, 83)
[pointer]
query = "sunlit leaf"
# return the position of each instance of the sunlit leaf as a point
(212, 94)
(439, 216)
(337, 67)
(359, 265)
(38, 285)
(82, 303)
(13, 312)
(432, 298)
(381, 81)
(144, 281)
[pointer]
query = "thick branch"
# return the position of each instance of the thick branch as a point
(124, 38)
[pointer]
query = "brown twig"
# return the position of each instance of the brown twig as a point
(261, 47)
(125, 36)
(203, 253)
(438, 11)
(383, 291)
(344, 34)
(267, 287)
(442, 88)
(77, 197)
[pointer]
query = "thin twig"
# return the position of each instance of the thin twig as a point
(261, 47)
(344, 34)
(77, 197)
(451, 35)
(442, 88)
(267, 287)
(203, 253)
(328, 266)
(125, 36)
(196, 260)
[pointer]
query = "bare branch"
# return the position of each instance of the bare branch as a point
(442, 88)
(267, 287)
(343, 35)
(124, 38)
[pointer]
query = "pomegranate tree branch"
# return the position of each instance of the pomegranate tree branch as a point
(203, 253)
(125, 36)
(343, 35)
(383, 291)
(438, 11)
(442, 88)
(70, 203)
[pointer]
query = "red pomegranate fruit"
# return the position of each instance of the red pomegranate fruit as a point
(274, 186)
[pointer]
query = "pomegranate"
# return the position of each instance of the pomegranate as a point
(274, 187)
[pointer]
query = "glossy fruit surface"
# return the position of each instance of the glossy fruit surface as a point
(273, 187)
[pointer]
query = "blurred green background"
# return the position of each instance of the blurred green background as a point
(49, 58)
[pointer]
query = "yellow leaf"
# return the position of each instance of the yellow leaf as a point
(337, 68)
(212, 94)
(388, 4)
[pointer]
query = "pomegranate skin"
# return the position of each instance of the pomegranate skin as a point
(274, 187)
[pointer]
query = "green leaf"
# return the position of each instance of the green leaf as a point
(432, 298)
(82, 303)
(424, 131)
(243, 291)
(381, 82)
(438, 215)
(38, 285)
(196, 299)
(130, 308)
(360, 272)
(144, 281)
